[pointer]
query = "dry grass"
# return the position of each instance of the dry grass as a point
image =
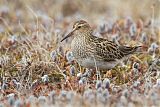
(37, 70)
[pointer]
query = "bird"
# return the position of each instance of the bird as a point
(91, 51)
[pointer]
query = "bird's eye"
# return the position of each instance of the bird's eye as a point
(79, 27)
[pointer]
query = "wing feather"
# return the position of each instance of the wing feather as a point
(109, 51)
(106, 50)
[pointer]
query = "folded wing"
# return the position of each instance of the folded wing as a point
(109, 51)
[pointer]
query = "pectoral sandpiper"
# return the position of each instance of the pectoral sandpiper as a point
(90, 51)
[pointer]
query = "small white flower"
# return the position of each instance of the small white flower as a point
(136, 83)
(98, 84)
(72, 70)
(106, 83)
(79, 75)
(82, 81)
(45, 78)
(133, 29)
(53, 55)
(144, 37)
(154, 46)
(69, 56)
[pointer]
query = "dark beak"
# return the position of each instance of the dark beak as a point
(70, 34)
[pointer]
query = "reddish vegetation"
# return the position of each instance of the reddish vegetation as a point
(37, 70)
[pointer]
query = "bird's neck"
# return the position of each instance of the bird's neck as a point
(85, 36)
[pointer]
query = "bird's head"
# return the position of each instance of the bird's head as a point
(79, 28)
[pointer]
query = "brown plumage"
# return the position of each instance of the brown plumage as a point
(89, 50)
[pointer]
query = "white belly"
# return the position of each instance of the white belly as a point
(90, 63)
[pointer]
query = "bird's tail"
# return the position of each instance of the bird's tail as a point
(126, 50)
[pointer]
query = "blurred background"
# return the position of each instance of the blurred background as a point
(56, 15)
(91, 10)
(32, 58)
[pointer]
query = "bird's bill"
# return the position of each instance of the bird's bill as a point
(70, 34)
